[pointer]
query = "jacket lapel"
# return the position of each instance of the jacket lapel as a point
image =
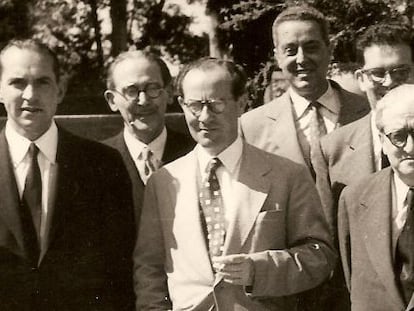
(284, 129)
(10, 202)
(377, 214)
(251, 190)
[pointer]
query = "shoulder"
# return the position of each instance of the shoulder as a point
(114, 141)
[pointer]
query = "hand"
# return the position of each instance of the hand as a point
(236, 269)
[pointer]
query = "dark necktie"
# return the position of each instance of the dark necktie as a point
(317, 130)
(404, 259)
(211, 203)
(384, 160)
(32, 203)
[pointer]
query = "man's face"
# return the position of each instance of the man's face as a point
(143, 117)
(397, 120)
(29, 91)
(383, 57)
(213, 131)
(303, 57)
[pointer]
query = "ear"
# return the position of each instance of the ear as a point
(109, 96)
(242, 104)
(62, 87)
(359, 77)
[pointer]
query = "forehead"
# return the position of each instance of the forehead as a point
(296, 31)
(214, 81)
(387, 55)
(399, 115)
(136, 70)
(23, 62)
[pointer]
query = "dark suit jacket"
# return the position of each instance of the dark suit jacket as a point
(277, 220)
(87, 264)
(345, 156)
(177, 145)
(365, 240)
(271, 127)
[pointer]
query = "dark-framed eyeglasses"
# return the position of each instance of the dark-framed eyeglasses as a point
(131, 92)
(196, 105)
(398, 74)
(399, 138)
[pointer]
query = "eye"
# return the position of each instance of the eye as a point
(131, 91)
(18, 83)
(290, 50)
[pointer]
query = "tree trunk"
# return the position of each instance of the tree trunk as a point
(119, 26)
(97, 29)
(213, 41)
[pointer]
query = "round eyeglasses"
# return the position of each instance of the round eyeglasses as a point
(131, 92)
(196, 105)
(399, 138)
(397, 74)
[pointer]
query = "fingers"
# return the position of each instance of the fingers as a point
(235, 269)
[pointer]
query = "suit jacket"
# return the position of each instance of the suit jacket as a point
(177, 145)
(278, 221)
(345, 156)
(271, 127)
(365, 240)
(86, 265)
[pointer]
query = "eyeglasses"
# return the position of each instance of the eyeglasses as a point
(399, 138)
(397, 74)
(196, 106)
(131, 92)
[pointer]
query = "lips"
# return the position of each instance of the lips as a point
(31, 109)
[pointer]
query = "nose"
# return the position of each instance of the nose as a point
(204, 114)
(389, 82)
(142, 99)
(300, 55)
(28, 92)
(409, 146)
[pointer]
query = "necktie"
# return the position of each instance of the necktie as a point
(32, 205)
(405, 250)
(150, 164)
(384, 160)
(211, 203)
(317, 130)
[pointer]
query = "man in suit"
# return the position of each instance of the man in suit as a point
(140, 88)
(66, 217)
(284, 126)
(376, 215)
(353, 151)
(236, 236)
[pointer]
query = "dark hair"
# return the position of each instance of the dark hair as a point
(32, 45)
(383, 34)
(236, 72)
(302, 13)
(150, 56)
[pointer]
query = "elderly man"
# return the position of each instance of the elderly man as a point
(228, 226)
(376, 217)
(291, 125)
(66, 217)
(140, 88)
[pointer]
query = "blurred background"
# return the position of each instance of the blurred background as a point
(87, 34)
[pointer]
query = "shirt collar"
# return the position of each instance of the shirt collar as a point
(328, 100)
(229, 157)
(136, 146)
(401, 190)
(47, 144)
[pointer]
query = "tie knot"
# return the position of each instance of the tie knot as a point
(315, 105)
(213, 165)
(146, 153)
(33, 150)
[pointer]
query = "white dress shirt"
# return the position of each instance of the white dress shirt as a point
(399, 207)
(227, 173)
(329, 109)
(135, 148)
(47, 144)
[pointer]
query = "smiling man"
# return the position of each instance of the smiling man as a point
(227, 227)
(313, 106)
(66, 216)
(139, 87)
(376, 216)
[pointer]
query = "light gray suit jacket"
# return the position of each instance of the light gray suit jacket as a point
(278, 221)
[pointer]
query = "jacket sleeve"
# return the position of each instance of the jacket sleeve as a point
(309, 257)
(150, 279)
(344, 238)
